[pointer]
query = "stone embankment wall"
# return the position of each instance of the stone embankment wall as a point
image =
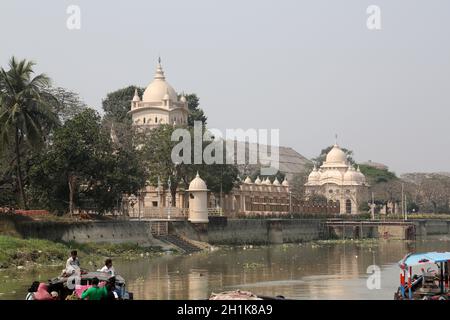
(429, 227)
(85, 231)
(222, 231)
(219, 231)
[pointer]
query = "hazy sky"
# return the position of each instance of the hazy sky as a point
(309, 68)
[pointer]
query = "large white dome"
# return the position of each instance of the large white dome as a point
(336, 155)
(158, 88)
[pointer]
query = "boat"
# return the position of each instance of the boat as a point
(66, 287)
(242, 295)
(424, 276)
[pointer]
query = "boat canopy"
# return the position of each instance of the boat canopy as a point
(415, 259)
(101, 276)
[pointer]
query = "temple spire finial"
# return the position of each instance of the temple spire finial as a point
(159, 71)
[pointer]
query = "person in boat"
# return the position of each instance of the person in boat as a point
(42, 293)
(111, 294)
(95, 292)
(32, 290)
(72, 264)
(117, 290)
(108, 267)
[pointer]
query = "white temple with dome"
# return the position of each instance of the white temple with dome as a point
(159, 104)
(338, 181)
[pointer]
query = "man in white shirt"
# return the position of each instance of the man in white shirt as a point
(72, 264)
(108, 267)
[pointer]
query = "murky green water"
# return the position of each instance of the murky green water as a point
(306, 271)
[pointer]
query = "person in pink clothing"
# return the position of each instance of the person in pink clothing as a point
(42, 293)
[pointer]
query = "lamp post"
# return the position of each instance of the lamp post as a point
(403, 204)
(373, 208)
(139, 204)
(290, 204)
(406, 209)
(170, 198)
(159, 196)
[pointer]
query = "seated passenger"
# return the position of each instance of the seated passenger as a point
(72, 264)
(42, 293)
(108, 267)
(95, 292)
(32, 290)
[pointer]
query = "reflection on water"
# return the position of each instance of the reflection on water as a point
(306, 271)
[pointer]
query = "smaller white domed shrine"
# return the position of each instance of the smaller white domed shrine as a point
(339, 182)
(198, 200)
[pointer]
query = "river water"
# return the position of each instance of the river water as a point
(320, 270)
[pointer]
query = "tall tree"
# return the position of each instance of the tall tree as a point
(376, 175)
(84, 168)
(157, 149)
(69, 103)
(195, 112)
(117, 104)
(26, 110)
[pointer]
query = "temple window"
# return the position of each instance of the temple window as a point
(348, 206)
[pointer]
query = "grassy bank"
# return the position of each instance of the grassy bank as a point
(33, 253)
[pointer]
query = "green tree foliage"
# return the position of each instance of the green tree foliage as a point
(117, 104)
(157, 146)
(195, 112)
(69, 103)
(82, 168)
(297, 184)
(413, 207)
(116, 119)
(363, 207)
(27, 111)
(318, 199)
(375, 175)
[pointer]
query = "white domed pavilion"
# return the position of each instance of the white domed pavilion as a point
(339, 182)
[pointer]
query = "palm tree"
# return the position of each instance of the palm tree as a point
(26, 112)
